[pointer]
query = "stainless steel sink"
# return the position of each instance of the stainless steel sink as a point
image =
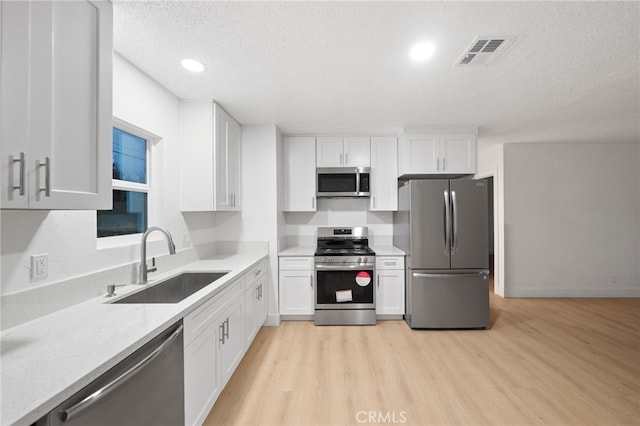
(174, 289)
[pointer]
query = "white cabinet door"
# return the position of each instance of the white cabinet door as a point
(231, 343)
(458, 153)
(446, 153)
(261, 302)
(390, 279)
(299, 174)
(390, 292)
(418, 154)
(357, 151)
(227, 143)
(296, 292)
(211, 158)
(14, 145)
(202, 383)
(68, 96)
(329, 151)
(250, 314)
(336, 151)
(384, 172)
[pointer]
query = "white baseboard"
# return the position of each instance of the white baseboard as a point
(573, 292)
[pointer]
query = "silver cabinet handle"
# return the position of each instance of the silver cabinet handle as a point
(374, 201)
(447, 222)
(225, 329)
(311, 280)
(221, 338)
(341, 159)
(346, 158)
(378, 279)
(47, 176)
(444, 164)
(20, 186)
(113, 385)
(454, 227)
(438, 164)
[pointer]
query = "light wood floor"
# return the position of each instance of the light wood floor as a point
(543, 362)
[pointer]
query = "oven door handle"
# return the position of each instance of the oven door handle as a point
(344, 267)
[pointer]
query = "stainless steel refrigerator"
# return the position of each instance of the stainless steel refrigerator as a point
(443, 227)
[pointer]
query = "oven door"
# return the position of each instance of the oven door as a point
(344, 287)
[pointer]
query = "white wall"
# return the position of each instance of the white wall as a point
(69, 237)
(491, 163)
(572, 219)
(301, 227)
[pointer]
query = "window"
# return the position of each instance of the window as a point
(129, 214)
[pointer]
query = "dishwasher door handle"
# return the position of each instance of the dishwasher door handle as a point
(67, 414)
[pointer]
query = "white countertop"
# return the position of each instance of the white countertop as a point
(387, 251)
(310, 250)
(47, 360)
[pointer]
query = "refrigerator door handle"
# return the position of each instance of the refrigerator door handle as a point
(447, 223)
(454, 227)
(485, 275)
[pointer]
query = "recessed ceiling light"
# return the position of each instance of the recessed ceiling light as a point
(422, 51)
(192, 65)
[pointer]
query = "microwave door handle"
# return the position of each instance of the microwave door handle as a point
(357, 181)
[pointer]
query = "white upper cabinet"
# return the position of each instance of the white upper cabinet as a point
(333, 151)
(211, 158)
(56, 105)
(384, 173)
(299, 174)
(437, 153)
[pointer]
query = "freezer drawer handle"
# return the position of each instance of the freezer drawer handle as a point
(485, 275)
(113, 385)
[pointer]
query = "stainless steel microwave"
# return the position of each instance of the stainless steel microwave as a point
(343, 182)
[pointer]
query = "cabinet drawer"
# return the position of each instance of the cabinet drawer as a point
(196, 322)
(255, 273)
(389, 262)
(296, 263)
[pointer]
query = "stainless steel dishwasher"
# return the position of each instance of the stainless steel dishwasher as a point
(146, 388)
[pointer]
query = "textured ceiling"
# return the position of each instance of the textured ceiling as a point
(343, 67)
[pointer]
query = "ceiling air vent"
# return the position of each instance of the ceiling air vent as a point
(485, 50)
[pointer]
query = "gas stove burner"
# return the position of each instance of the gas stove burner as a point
(344, 252)
(352, 241)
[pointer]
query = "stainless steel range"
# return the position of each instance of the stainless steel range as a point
(344, 267)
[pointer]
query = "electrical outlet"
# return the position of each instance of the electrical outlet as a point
(40, 265)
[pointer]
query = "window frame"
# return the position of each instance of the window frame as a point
(122, 185)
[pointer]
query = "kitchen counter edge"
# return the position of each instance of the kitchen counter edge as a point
(44, 362)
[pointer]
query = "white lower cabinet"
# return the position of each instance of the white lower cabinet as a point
(255, 301)
(296, 286)
(216, 337)
(231, 342)
(390, 285)
(202, 383)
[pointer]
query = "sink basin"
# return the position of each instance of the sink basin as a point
(174, 289)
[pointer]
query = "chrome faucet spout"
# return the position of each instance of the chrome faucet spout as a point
(143, 251)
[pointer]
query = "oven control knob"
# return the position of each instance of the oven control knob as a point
(360, 260)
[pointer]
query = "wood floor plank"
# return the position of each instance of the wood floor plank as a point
(542, 362)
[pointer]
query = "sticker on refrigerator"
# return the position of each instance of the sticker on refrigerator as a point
(344, 296)
(363, 278)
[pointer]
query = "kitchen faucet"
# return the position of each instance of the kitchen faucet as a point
(143, 252)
